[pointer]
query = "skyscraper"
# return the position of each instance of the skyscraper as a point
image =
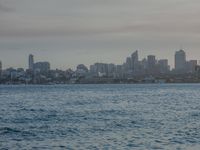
(180, 61)
(151, 61)
(31, 62)
(151, 64)
(128, 64)
(134, 61)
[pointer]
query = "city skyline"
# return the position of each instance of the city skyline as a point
(140, 57)
(149, 69)
(85, 31)
(132, 60)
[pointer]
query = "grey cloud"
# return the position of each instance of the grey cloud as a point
(93, 17)
(5, 8)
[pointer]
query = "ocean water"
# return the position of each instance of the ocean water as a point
(135, 117)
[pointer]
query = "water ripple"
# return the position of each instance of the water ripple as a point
(100, 117)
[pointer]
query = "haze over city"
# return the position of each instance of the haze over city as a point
(67, 33)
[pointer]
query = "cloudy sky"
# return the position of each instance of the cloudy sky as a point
(70, 32)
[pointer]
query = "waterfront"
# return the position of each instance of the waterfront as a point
(105, 116)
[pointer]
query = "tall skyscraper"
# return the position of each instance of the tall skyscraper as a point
(180, 61)
(134, 61)
(31, 62)
(128, 63)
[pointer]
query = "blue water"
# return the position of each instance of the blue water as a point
(157, 116)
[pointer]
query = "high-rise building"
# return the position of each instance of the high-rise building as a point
(99, 68)
(180, 61)
(151, 61)
(163, 66)
(128, 63)
(191, 65)
(144, 64)
(111, 69)
(31, 62)
(151, 64)
(134, 61)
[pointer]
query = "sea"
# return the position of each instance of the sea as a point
(100, 117)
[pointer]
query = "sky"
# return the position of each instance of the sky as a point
(70, 32)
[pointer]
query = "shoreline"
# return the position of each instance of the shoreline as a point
(106, 83)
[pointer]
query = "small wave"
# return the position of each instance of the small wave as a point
(72, 131)
(7, 130)
(14, 131)
(195, 114)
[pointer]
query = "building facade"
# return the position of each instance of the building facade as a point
(180, 61)
(31, 62)
(135, 61)
(42, 67)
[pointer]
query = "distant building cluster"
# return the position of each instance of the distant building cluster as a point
(182, 65)
(132, 67)
(40, 67)
(132, 70)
